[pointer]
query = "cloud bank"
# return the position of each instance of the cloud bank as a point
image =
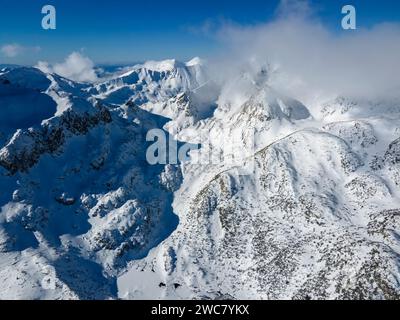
(307, 60)
(14, 49)
(75, 67)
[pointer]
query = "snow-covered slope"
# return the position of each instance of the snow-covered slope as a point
(316, 216)
(78, 195)
(297, 203)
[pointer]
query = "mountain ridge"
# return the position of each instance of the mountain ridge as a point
(298, 203)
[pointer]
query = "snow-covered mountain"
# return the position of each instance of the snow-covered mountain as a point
(309, 208)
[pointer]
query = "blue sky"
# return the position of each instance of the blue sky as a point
(124, 31)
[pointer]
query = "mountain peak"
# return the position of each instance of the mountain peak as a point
(195, 61)
(163, 65)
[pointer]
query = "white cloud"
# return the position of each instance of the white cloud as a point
(14, 49)
(75, 67)
(11, 50)
(310, 60)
